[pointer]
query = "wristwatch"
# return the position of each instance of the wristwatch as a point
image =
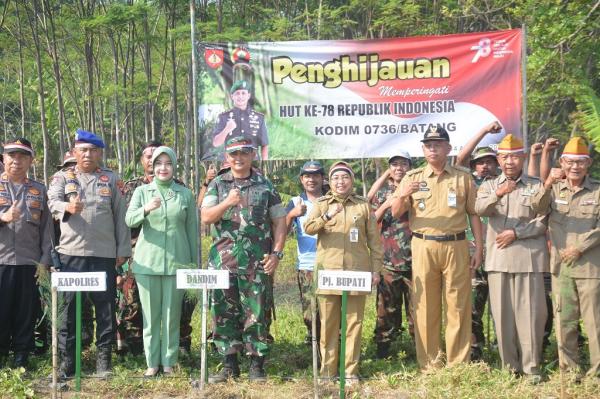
(279, 254)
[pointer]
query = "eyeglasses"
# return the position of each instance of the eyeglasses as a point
(575, 162)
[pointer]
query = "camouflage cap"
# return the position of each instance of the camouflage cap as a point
(483, 152)
(239, 85)
(238, 143)
(436, 133)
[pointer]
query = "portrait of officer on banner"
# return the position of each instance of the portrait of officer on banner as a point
(241, 121)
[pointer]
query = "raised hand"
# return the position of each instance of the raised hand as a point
(555, 175)
(12, 214)
(234, 197)
(506, 188)
(75, 206)
(152, 205)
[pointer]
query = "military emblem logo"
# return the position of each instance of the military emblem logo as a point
(213, 57)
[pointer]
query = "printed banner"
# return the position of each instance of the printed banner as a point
(359, 98)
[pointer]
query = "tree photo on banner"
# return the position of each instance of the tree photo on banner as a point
(358, 98)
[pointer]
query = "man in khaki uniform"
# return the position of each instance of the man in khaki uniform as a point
(88, 202)
(438, 198)
(516, 259)
(573, 200)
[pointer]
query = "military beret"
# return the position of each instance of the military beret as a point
(239, 85)
(87, 139)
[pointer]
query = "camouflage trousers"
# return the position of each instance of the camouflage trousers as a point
(305, 285)
(130, 320)
(479, 297)
(393, 291)
(239, 314)
(185, 324)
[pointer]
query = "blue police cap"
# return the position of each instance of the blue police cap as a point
(85, 139)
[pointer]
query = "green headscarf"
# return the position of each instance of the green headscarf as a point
(164, 185)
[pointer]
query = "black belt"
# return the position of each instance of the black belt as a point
(448, 237)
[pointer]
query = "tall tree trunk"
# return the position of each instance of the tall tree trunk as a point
(117, 116)
(50, 33)
(174, 103)
(188, 131)
(41, 100)
(148, 68)
(21, 72)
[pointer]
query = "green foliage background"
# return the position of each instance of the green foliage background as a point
(152, 47)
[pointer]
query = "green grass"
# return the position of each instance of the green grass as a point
(290, 368)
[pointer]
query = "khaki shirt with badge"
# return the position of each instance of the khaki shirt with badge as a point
(349, 241)
(442, 203)
(100, 229)
(26, 241)
(573, 222)
(513, 211)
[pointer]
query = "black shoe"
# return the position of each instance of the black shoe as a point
(383, 350)
(21, 359)
(66, 369)
(476, 354)
(184, 351)
(257, 370)
(104, 362)
(231, 369)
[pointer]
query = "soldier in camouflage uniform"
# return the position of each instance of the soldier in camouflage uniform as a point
(483, 165)
(249, 227)
(129, 316)
(393, 290)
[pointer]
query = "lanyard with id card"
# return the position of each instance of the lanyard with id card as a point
(451, 198)
(354, 230)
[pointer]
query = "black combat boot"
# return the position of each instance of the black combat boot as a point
(383, 350)
(231, 369)
(21, 359)
(66, 369)
(257, 371)
(104, 362)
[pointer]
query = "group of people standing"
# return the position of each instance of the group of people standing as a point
(429, 236)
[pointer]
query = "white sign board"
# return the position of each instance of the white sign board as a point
(67, 281)
(202, 278)
(342, 280)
